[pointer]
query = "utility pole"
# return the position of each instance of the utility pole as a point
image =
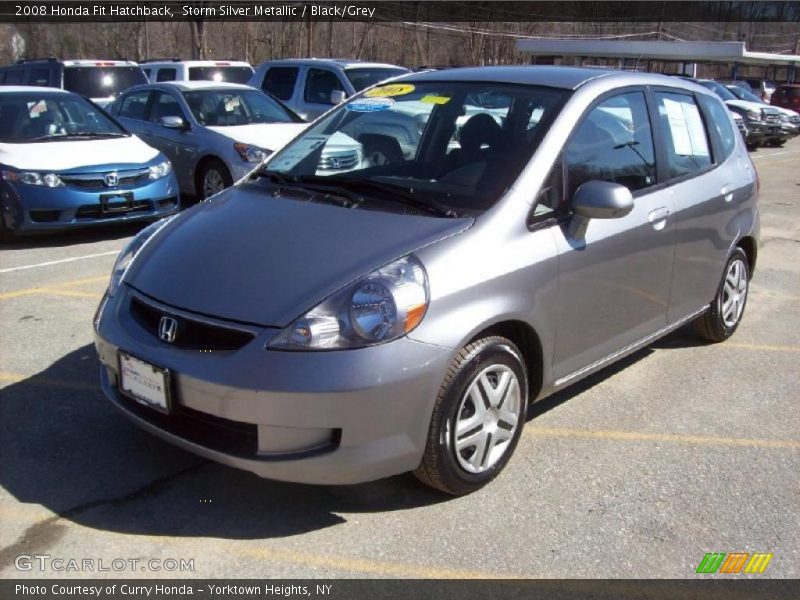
(310, 39)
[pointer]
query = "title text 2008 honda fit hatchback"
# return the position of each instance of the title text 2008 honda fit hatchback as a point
(524, 227)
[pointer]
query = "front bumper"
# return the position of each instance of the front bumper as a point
(337, 417)
(39, 208)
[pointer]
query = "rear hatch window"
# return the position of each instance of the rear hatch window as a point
(101, 82)
(227, 74)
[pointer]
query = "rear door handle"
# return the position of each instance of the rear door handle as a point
(727, 192)
(658, 217)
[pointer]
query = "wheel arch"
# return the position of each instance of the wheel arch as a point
(524, 336)
(200, 165)
(750, 247)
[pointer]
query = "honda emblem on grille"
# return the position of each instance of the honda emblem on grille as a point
(167, 329)
(111, 179)
(335, 163)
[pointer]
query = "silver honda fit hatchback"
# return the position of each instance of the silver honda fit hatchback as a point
(522, 228)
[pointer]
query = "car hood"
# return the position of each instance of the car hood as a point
(249, 257)
(86, 155)
(270, 136)
(745, 105)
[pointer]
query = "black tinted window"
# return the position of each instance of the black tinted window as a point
(101, 82)
(721, 121)
(134, 106)
(279, 81)
(218, 73)
(14, 77)
(39, 77)
(165, 105)
(166, 74)
(686, 139)
(320, 84)
(613, 143)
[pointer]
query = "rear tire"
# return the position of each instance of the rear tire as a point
(6, 233)
(725, 312)
(477, 419)
(212, 178)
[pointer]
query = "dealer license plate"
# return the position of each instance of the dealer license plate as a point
(145, 383)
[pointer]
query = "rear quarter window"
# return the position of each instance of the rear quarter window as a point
(720, 121)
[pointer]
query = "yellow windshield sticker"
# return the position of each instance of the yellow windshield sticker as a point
(392, 89)
(434, 99)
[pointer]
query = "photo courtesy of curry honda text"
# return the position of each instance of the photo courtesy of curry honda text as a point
(65, 163)
(525, 227)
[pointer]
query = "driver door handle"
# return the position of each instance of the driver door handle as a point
(658, 217)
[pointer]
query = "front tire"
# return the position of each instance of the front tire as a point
(725, 312)
(212, 179)
(477, 419)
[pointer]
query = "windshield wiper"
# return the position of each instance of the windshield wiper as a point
(70, 136)
(401, 194)
(339, 197)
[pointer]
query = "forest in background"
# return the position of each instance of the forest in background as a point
(407, 44)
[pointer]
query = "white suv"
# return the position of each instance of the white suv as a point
(174, 69)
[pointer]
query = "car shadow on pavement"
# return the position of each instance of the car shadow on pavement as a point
(72, 237)
(66, 448)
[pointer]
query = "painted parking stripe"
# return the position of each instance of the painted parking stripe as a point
(775, 154)
(58, 262)
(640, 436)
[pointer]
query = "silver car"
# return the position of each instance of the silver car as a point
(401, 316)
(213, 133)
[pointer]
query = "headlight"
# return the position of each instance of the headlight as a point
(160, 170)
(380, 307)
(249, 153)
(51, 180)
(130, 252)
(754, 115)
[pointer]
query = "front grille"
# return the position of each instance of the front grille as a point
(45, 216)
(96, 181)
(95, 211)
(216, 433)
(337, 161)
(772, 118)
(191, 334)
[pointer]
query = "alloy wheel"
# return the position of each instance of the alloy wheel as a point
(487, 418)
(734, 293)
(213, 183)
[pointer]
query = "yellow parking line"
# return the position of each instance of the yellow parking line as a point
(46, 382)
(765, 347)
(56, 289)
(636, 436)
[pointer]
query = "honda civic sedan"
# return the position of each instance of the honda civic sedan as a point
(341, 328)
(64, 163)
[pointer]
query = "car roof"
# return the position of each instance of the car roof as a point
(344, 63)
(197, 63)
(8, 89)
(187, 86)
(569, 78)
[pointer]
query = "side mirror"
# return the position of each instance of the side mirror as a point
(602, 200)
(173, 123)
(338, 96)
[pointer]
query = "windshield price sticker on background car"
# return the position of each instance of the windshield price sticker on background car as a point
(434, 99)
(370, 104)
(385, 91)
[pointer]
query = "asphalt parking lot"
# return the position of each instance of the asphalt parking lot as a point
(681, 449)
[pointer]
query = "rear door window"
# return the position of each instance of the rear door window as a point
(279, 81)
(686, 138)
(14, 77)
(319, 85)
(134, 106)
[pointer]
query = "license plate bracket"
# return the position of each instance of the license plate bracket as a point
(145, 383)
(116, 203)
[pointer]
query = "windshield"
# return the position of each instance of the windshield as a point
(36, 117)
(460, 144)
(101, 82)
(365, 77)
(719, 89)
(226, 74)
(743, 94)
(220, 108)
